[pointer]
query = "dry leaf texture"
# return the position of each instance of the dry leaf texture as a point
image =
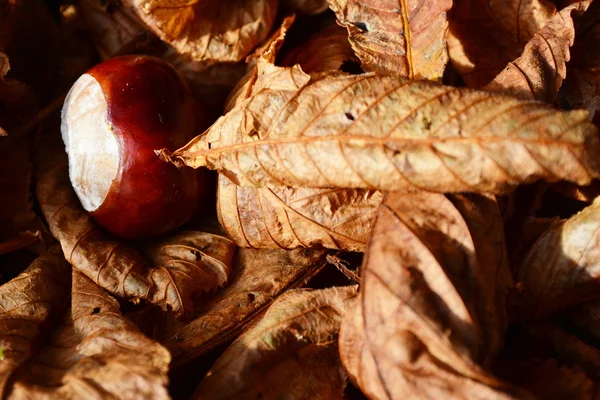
(430, 313)
(291, 352)
(304, 7)
(259, 276)
(485, 35)
(211, 31)
(388, 133)
(94, 353)
(539, 72)
(561, 269)
(296, 217)
(27, 305)
(398, 37)
(182, 270)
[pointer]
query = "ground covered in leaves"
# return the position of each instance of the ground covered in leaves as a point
(406, 204)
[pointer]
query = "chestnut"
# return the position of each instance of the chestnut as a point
(114, 118)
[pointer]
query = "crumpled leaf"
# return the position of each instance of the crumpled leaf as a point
(296, 217)
(304, 7)
(210, 31)
(290, 352)
(259, 276)
(582, 86)
(326, 50)
(27, 305)
(561, 268)
(539, 72)
(404, 38)
(94, 353)
(430, 313)
(112, 263)
(387, 133)
(485, 35)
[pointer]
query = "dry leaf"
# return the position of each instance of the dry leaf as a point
(290, 352)
(258, 278)
(304, 7)
(586, 317)
(431, 309)
(398, 37)
(586, 194)
(208, 31)
(94, 353)
(288, 218)
(326, 50)
(539, 73)
(485, 35)
(113, 264)
(27, 305)
(560, 269)
(388, 133)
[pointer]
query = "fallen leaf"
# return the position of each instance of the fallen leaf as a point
(485, 35)
(560, 269)
(304, 7)
(115, 265)
(586, 194)
(296, 217)
(94, 353)
(206, 30)
(258, 278)
(27, 305)
(539, 72)
(290, 352)
(430, 313)
(387, 133)
(326, 50)
(404, 38)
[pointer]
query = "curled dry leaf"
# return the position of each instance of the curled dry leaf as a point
(561, 268)
(387, 133)
(210, 31)
(27, 305)
(94, 353)
(431, 309)
(290, 352)
(113, 264)
(296, 217)
(326, 50)
(539, 72)
(397, 37)
(485, 35)
(258, 278)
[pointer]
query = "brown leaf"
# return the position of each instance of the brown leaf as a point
(387, 133)
(586, 317)
(404, 38)
(326, 50)
(586, 194)
(94, 353)
(431, 309)
(560, 269)
(539, 72)
(290, 352)
(113, 264)
(27, 305)
(258, 278)
(288, 218)
(210, 31)
(486, 35)
(304, 7)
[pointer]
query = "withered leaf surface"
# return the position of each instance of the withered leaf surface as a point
(397, 37)
(94, 353)
(283, 217)
(539, 72)
(388, 133)
(431, 308)
(182, 270)
(211, 31)
(27, 304)
(258, 277)
(290, 352)
(561, 269)
(304, 7)
(485, 35)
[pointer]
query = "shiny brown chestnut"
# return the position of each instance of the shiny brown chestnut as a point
(114, 118)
